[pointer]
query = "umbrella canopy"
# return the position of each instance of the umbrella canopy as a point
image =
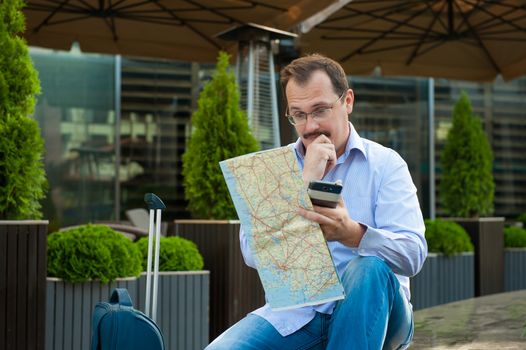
(457, 39)
(176, 29)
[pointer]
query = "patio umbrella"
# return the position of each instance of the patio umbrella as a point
(457, 39)
(177, 29)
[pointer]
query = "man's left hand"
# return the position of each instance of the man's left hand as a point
(336, 224)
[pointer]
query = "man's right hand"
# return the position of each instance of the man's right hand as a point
(320, 158)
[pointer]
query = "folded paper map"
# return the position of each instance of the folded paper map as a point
(292, 258)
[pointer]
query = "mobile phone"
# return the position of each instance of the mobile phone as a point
(325, 194)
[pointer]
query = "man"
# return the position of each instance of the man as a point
(375, 234)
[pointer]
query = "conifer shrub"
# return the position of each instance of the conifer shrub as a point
(467, 187)
(447, 237)
(22, 177)
(176, 254)
(91, 252)
(514, 237)
(219, 131)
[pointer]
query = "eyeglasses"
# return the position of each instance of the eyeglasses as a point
(320, 114)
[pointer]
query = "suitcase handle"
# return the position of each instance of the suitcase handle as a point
(120, 296)
(153, 201)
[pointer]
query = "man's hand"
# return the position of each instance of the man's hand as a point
(336, 224)
(320, 158)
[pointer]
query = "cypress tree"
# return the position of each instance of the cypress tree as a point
(22, 177)
(467, 186)
(220, 131)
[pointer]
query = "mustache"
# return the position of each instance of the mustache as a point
(316, 134)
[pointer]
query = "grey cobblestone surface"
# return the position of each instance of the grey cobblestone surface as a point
(491, 322)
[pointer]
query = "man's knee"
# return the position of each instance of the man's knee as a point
(366, 264)
(366, 269)
(251, 332)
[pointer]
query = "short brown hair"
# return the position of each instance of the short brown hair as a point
(301, 69)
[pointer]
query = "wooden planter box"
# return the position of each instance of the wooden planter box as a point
(23, 264)
(487, 235)
(182, 312)
(443, 280)
(235, 288)
(514, 269)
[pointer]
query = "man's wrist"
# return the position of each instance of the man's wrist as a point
(357, 231)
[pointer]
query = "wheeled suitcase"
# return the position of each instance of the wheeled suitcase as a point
(116, 324)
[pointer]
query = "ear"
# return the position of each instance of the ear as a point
(349, 101)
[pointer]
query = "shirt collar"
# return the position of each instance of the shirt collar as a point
(354, 142)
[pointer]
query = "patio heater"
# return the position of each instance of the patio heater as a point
(256, 78)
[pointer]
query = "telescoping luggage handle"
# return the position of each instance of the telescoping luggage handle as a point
(155, 205)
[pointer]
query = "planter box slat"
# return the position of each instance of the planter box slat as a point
(69, 312)
(11, 297)
(40, 236)
(3, 285)
(179, 315)
(86, 300)
(181, 325)
(163, 315)
(21, 280)
(32, 284)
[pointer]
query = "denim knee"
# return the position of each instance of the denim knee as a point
(367, 263)
(366, 269)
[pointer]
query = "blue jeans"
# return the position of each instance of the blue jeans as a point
(374, 315)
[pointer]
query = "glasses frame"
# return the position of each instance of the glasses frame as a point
(290, 117)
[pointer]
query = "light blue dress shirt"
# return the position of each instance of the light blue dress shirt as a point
(378, 193)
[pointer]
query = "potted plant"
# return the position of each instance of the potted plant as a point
(87, 262)
(448, 272)
(219, 131)
(514, 258)
(467, 190)
(22, 186)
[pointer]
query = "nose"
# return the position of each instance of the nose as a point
(311, 124)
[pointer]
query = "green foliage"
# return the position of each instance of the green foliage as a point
(522, 218)
(447, 237)
(514, 237)
(176, 254)
(92, 252)
(22, 178)
(467, 186)
(220, 131)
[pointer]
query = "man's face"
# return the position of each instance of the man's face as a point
(317, 94)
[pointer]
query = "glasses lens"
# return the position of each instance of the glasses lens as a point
(321, 113)
(299, 118)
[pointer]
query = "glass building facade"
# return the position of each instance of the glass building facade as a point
(116, 128)
(76, 113)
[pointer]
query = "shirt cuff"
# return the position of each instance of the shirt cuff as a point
(369, 244)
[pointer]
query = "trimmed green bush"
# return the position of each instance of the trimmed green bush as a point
(219, 131)
(447, 237)
(176, 254)
(467, 187)
(92, 252)
(22, 177)
(514, 237)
